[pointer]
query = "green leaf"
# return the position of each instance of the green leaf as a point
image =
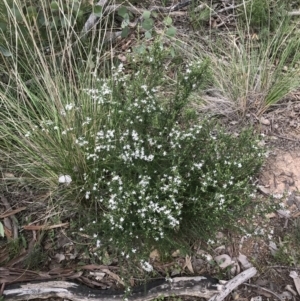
(3, 26)
(98, 10)
(5, 51)
(54, 5)
(168, 21)
(75, 6)
(148, 24)
(31, 11)
(17, 14)
(154, 14)
(148, 35)
(171, 31)
(122, 11)
(125, 32)
(1, 230)
(172, 52)
(140, 49)
(124, 23)
(146, 14)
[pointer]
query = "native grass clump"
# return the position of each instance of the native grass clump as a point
(122, 151)
(254, 67)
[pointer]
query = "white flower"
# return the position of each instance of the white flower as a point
(65, 179)
(146, 266)
(69, 106)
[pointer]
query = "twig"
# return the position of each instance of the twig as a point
(283, 267)
(286, 138)
(263, 289)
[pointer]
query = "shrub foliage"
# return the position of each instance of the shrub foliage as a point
(142, 168)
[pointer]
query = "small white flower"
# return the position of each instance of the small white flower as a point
(146, 266)
(65, 179)
(69, 106)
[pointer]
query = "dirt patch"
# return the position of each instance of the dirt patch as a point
(281, 174)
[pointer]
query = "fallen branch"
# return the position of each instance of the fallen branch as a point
(234, 283)
(204, 287)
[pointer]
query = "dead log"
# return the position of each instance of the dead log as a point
(205, 287)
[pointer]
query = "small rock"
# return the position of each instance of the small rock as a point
(265, 121)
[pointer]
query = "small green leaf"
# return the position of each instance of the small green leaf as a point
(3, 26)
(54, 5)
(154, 14)
(17, 14)
(126, 17)
(5, 51)
(124, 24)
(31, 11)
(172, 52)
(148, 24)
(122, 11)
(168, 21)
(148, 35)
(125, 32)
(1, 230)
(79, 13)
(75, 6)
(171, 31)
(140, 49)
(146, 14)
(98, 11)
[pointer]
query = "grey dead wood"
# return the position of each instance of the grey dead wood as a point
(181, 286)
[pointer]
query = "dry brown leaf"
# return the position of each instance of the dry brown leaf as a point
(188, 264)
(122, 58)
(176, 253)
(244, 261)
(154, 255)
(224, 261)
(295, 276)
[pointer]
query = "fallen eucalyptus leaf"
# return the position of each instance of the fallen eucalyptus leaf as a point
(286, 295)
(273, 248)
(244, 261)
(295, 276)
(188, 264)
(224, 261)
(284, 213)
(154, 255)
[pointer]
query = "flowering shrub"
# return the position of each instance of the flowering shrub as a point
(126, 148)
(153, 173)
